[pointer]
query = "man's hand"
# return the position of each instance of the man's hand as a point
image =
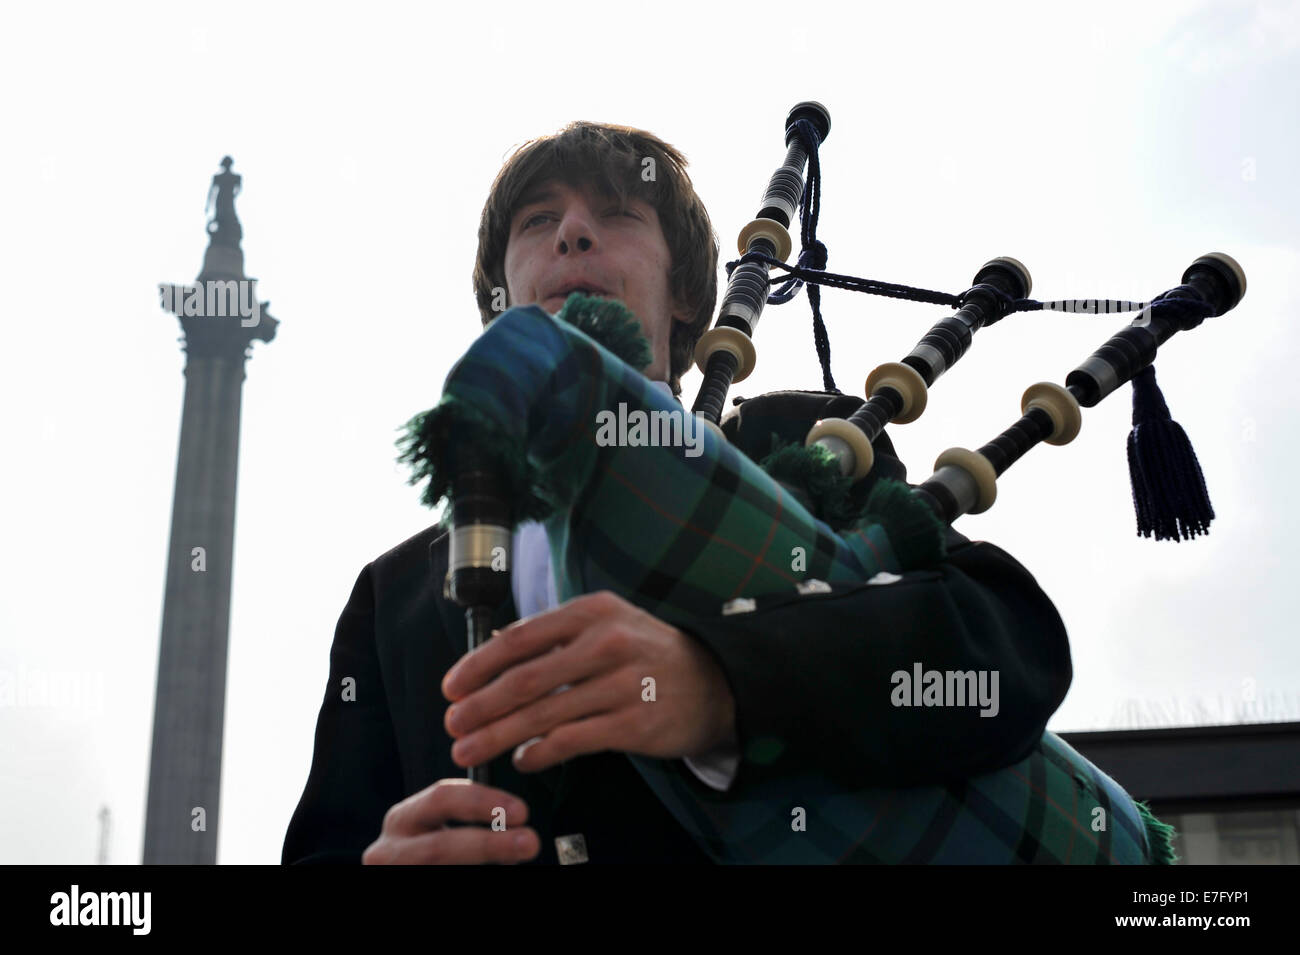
(415, 830)
(604, 648)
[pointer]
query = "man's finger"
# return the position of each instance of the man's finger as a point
(611, 730)
(464, 846)
(509, 647)
(457, 800)
(527, 683)
(527, 638)
(580, 702)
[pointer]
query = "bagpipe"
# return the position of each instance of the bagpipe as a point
(689, 527)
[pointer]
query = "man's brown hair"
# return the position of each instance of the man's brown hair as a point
(611, 159)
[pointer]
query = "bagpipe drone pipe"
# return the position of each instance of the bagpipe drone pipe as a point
(531, 426)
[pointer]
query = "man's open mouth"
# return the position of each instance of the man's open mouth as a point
(581, 290)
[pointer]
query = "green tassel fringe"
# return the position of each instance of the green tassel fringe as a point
(914, 531)
(1160, 835)
(428, 445)
(815, 472)
(610, 323)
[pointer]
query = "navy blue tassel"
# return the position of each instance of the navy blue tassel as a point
(1169, 491)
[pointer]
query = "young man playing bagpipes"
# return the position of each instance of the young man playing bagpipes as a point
(774, 728)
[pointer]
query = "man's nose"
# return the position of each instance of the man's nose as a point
(576, 232)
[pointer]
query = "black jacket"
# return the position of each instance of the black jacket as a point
(809, 672)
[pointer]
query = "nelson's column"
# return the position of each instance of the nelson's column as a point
(220, 317)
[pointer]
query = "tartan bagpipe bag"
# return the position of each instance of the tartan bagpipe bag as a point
(680, 530)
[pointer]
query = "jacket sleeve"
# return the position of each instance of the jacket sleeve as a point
(813, 675)
(355, 769)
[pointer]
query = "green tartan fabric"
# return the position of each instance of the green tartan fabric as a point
(1054, 807)
(679, 535)
(676, 530)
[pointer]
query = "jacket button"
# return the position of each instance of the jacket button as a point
(739, 605)
(571, 850)
(813, 587)
(884, 577)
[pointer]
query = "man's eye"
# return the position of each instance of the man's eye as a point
(531, 219)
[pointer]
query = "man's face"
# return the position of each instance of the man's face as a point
(564, 238)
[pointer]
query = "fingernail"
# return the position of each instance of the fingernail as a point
(523, 841)
(524, 747)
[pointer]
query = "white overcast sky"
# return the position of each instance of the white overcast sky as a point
(1106, 145)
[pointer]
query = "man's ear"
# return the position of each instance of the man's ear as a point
(682, 312)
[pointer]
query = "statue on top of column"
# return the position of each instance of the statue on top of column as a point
(224, 227)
